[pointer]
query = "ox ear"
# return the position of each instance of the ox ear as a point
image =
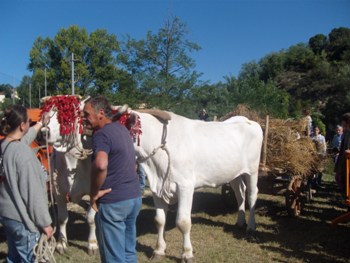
(133, 118)
(121, 109)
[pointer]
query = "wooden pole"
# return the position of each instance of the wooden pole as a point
(347, 176)
(264, 153)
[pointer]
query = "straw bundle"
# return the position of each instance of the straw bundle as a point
(288, 149)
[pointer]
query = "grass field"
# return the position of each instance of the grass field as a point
(215, 238)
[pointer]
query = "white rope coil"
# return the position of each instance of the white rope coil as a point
(45, 249)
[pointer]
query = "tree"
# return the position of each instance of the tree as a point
(339, 43)
(318, 43)
(161, 65)
(6, 89)
(23, 93)
(265, 97)
(213, 98)
(95, 62)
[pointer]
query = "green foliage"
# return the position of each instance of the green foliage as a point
(6, 89)
(94, 62)
(339, 44)
(161, 66)
(262, 96)
(158, 71)
(213, 98)
(24, 91)
(318, 43)
(314, 75)
(317, 122)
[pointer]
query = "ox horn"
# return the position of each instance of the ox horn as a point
(44, 99)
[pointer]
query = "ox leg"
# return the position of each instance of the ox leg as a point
(92, 242)
(239, 189)
(183, 222)
(160, 220)
(252, 182)
(62, 217)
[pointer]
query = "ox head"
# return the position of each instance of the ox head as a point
(64, 128)
(128, 118)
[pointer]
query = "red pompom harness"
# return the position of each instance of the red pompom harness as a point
(68, 111)
(134, 126)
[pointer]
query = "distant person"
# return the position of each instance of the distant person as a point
(336, 141)
(320, 141)
(321, 148)
(307, 116)
(203, 115)
(340, 164)
(142, 177)
(24, 212)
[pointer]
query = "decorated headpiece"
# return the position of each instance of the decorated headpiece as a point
(68, 112)
(130, 121)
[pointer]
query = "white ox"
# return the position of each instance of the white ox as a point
(70, 165)
(179, 155)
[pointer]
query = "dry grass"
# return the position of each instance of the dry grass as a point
(278, 238)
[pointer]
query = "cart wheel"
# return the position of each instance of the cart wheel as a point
(293, 197)
(228, 196)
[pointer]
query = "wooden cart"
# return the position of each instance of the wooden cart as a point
(297, 190)
(295, 187)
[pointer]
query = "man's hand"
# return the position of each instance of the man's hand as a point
(48, 231)
(93, 199)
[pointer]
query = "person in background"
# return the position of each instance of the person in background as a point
(142, 177)
(321, 148)
(340, 164)
(336, 141)
(23, 198)
(307, 116)
(203, 115)
(115, 188)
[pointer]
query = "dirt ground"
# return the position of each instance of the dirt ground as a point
(215, 238)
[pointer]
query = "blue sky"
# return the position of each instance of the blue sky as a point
(230, 32)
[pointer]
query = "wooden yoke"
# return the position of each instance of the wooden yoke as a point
(345, 217)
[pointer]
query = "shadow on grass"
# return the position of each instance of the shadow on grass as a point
(309, 238)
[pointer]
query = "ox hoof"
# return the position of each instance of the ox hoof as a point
(187, 260)
(157, 258)
(92, 251)
(60, 249)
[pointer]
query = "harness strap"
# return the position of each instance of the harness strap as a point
(165, 190)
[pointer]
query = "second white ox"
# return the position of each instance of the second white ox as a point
(70, 162)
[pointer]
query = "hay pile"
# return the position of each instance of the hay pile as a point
(288, 149)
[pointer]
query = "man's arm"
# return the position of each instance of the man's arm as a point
(98, 176)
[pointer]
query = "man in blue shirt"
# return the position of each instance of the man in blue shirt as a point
(115, 188)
